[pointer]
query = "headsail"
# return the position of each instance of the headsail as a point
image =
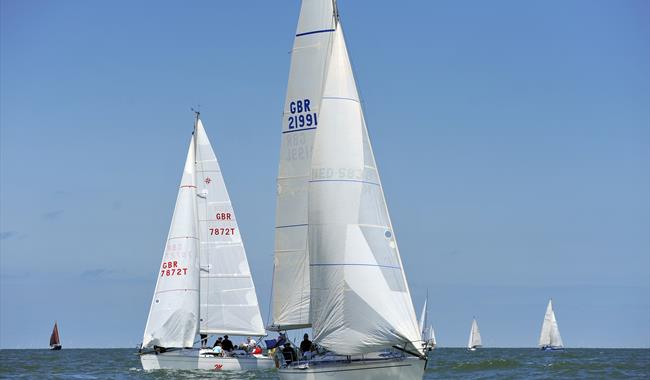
(474, 335)
(550, 335)
(228, 303)
(174, 313)
(360, 301)
(300, 119)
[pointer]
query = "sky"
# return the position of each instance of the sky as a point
(512, 138)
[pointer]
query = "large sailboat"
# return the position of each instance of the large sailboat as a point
(474, 337)
(549, 338)
(428, 334)
(204, 283)
(337, 267)
(55, 340)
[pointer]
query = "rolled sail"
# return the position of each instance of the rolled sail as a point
(300, 120)
(173, 316)
(360, 300)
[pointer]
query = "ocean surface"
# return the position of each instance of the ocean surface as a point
(444, 363)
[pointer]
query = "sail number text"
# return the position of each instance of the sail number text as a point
(222, 231)
(301, 114)
(170, 268)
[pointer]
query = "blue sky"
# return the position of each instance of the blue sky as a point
(513, 140)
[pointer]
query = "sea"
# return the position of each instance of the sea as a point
(444, 363)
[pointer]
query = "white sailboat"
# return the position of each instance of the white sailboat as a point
(550, 339)
(337, 266)
(428, 335)
(474, 337)
(204, 283)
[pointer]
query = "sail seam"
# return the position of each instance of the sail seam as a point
(315, 32)
(354, 264)
(341, 98)
(344, 180)
(293, 225)
(299, 130)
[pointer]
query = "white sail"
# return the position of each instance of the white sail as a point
(550, 335)
(474, 336)
(228, 303)
(300, 120)
(360, 301)
(423, 318)
(430, 335)
(174, 313)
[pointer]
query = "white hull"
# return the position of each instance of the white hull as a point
(192, 360)
(390, 369)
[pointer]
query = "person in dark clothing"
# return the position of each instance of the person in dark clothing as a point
(288, 353)
(305, 345)
(218, 342)
(226, 344)
(204, 340)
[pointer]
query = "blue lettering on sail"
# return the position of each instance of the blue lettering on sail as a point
(301, 117)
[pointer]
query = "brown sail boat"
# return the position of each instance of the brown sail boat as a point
(55, 341)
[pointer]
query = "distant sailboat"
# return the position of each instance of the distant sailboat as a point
(428, 335)
(550, 339)
(55, 341)
(204, 283)
(337, 268)
(474, 337)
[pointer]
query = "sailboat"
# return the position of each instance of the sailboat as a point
(204, 283)
(55, 341)
(550, 339)
(428, 335)
(337, 268)
(474, 337)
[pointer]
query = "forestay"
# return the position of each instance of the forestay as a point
(228, 303)
(360, 300)
(173, 316)
(300, 119)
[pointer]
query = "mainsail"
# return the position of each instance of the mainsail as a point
(474, 335)
(550, 335)
(174, 313)
(228, 303)
(360, 301)
(309, 55)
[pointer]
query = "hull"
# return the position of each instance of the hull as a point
(549, 348)
(187, 359)
(393, 369)
(56, 347)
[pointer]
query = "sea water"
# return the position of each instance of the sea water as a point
(444, 363)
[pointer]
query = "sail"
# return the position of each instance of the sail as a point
(423, 318)
(300, 119)
(54, 338)
(228, 303)
(360, 301)
(430, 336)
(174, 313)
(550, 335)
(474, 336)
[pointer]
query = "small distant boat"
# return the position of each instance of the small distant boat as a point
(474, 337)
(428, 335)
(550, 339)
(55, 341)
